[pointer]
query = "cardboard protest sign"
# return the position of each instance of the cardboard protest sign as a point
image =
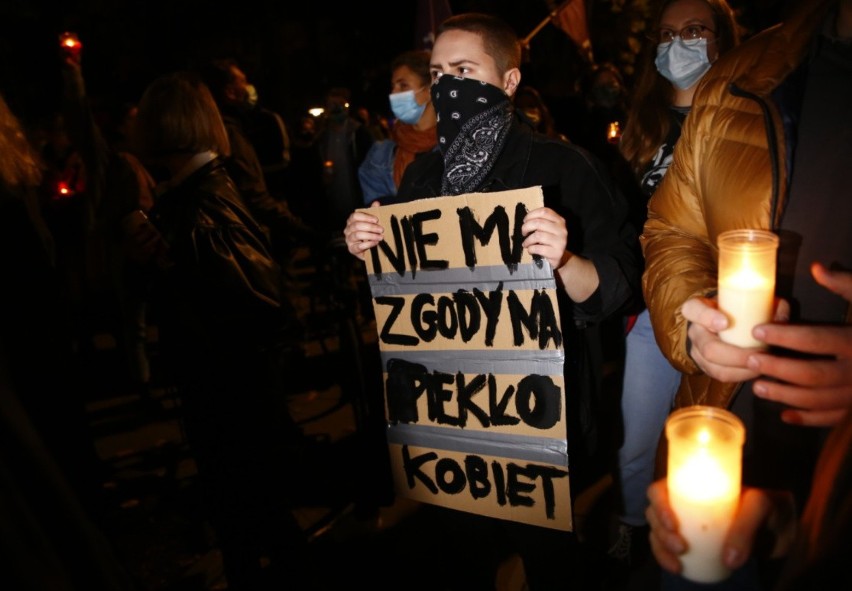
(472, 358)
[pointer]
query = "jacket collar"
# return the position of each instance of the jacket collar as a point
(514, 161)
(192, 166)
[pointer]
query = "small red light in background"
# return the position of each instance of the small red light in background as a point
(70, 43)
(63, 190)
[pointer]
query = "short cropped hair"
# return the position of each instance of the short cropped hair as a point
(499, 39)
(177, 115)
(416, 60)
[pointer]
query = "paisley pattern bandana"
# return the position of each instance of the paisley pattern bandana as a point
(473, 123)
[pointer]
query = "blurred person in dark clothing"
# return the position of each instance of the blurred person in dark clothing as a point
(343, 144)
(305, 177)
(605, 95)
(375, 123)
(232, 93)
(268, 134)
(117, 187)
(531, 104)
(36, 323)
(224, 329)
(47, 537)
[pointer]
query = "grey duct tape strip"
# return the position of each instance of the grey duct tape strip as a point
(504, 361)
(525, 277)
(517, 447)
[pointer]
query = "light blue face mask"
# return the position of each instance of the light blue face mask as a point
(405, 107)
(682, 63)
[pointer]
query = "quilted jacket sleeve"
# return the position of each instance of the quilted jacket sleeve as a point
(680, 260)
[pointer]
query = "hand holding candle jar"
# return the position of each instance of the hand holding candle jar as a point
(704, 476)
(746, 283)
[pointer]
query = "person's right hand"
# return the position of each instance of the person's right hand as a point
(666, 542)
(362, 232)
(719, 360)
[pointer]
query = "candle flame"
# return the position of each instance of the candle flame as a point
(746, 278)
(702, 478)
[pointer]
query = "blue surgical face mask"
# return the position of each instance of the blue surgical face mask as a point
(682, 64)
(405, 108)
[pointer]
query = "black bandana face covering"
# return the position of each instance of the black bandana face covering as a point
(473, 122)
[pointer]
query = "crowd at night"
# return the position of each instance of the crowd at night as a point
(292, 52)
(519, 295)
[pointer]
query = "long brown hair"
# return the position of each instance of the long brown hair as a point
(648, 119)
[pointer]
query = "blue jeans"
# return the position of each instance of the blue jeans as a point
(647, 394)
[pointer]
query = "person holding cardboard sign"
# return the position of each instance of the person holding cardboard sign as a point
(582, 231)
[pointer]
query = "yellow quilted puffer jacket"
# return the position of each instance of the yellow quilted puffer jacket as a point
(729, 171)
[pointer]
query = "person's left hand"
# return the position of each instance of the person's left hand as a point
(717, 359)
(819, 391)
(546, 235)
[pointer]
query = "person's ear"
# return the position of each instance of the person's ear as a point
(511, 79)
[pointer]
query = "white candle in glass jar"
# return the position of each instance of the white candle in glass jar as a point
(746, 283)
(704, 472)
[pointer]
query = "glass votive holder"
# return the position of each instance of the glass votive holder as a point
(747, 262)
(704, 478)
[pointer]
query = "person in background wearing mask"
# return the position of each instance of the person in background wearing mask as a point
(343, 144)
(236, 100)
(413, 131)
(605, 103)
(688, 37)
(269, 136)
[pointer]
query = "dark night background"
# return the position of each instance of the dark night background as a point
(292, 51)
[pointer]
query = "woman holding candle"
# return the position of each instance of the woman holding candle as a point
(688, 37)
(741, 164)
(817, 557)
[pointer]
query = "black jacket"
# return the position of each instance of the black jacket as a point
(220, 294)
(575, 184)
